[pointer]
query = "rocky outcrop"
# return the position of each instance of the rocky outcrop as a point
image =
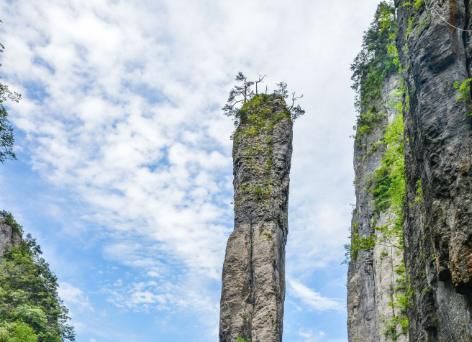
(253, 273)
(436, 52)
(10, 232)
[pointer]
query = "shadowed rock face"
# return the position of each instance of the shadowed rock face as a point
(436, 217)
(438, 233)
(253, 273)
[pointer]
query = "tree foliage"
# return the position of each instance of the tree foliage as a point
(377, 59)
(245, 90)
(6, 130)
(30, 307)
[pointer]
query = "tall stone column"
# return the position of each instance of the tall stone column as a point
(253, 291)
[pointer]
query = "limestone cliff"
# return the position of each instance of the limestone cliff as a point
(253, 274)
(410, 272)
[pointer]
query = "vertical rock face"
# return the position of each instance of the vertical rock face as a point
(436, 54)
(378, 291)
(430, 205)
(10, 233)
(253, 273)
(376, 251)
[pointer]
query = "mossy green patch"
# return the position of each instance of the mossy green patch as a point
(464, 93)
(242, 339)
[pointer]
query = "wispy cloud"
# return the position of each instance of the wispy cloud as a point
(74, 297)
(313, 299)
(308, 335)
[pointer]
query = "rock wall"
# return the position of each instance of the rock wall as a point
(424, 211)
(253, 273)
(10, 232)
(435, 53)
(376, 255)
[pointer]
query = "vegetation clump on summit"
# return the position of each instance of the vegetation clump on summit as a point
(246, 97)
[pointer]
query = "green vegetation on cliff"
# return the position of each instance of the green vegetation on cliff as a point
(377, 60)
(30, 307)
(389, 191)
(464, 93)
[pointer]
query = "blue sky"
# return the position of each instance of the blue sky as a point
(124, 158)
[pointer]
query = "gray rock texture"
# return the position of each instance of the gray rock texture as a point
(253, 274)
(10, 234)
(372, 279)
(436, 53)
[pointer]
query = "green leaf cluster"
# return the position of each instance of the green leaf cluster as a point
(388, 183)
(246, 91)
(30, 307)
(17, 332)
(361, 243)
(7, 139)
(389, 191)
(398, 325)
(464, 93)
(241, 339)
(418, 4)
(377, 60)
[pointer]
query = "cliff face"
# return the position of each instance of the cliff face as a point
(253, 273)
(376, 267)
(10, 233)
(414, 192)
(438, 227)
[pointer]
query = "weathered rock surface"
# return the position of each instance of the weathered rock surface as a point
(9, 234)
(253, 274)
(372, 278)
(436, 53)
(435, 48)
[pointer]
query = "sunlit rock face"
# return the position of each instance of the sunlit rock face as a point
(253, 291)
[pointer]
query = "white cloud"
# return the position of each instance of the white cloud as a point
(311, 336)
(74, 297)
(312, 299)
(308, 335)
